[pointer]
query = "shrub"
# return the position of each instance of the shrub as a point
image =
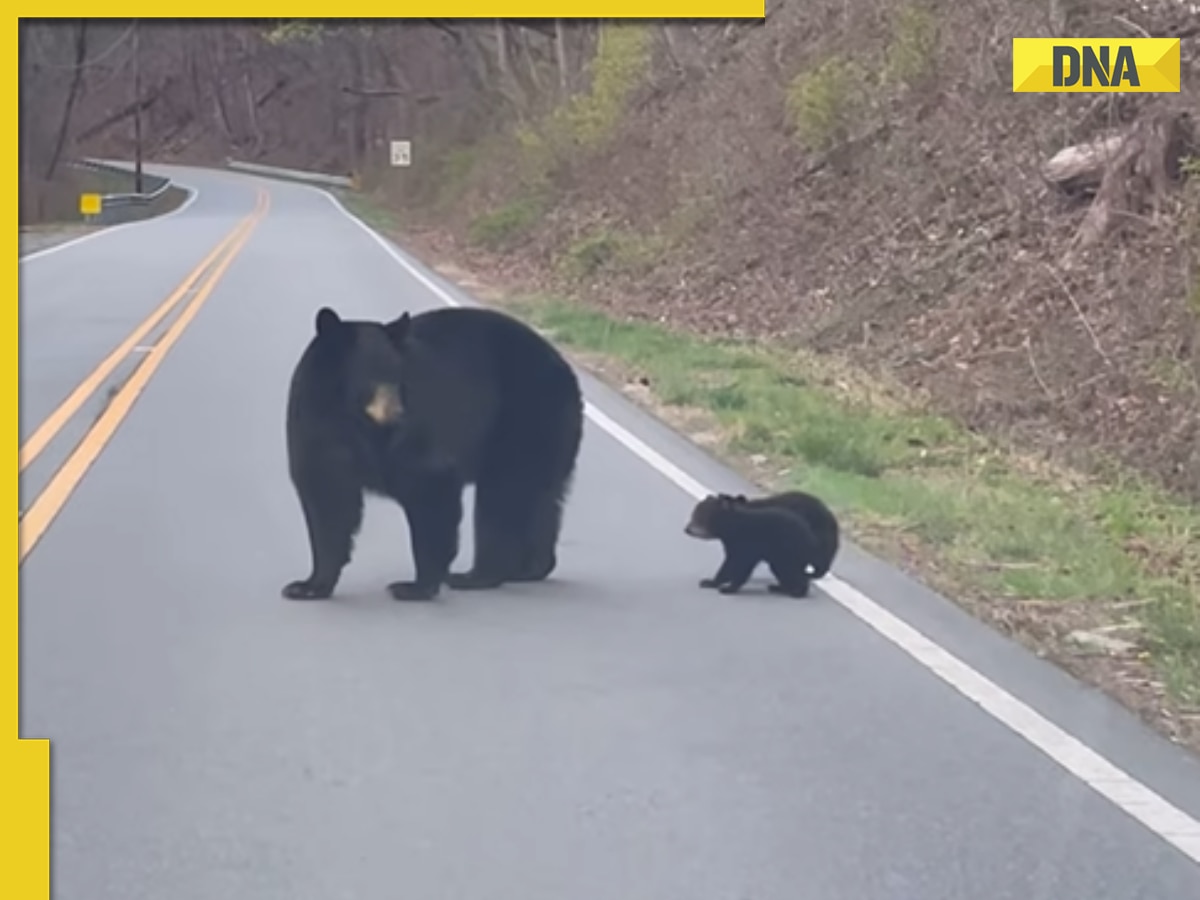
(911, 55)
(823, 103)
(502, 227)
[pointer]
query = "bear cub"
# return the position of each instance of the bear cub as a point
(795, 533)
(820, 519)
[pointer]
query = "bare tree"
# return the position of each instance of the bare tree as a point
(560, 52)
(64, 123)
(301, 92)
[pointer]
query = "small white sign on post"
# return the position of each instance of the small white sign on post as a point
(401, 153)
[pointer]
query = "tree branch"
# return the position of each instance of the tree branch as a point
(389, 92)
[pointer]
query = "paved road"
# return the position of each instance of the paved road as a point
(35, 240)
(616, 734)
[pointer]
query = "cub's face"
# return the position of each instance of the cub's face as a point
(705, 521)
(700, 524)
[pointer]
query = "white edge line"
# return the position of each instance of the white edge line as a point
(1164, 819)
(192, 193)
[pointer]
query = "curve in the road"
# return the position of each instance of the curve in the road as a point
(192, 194)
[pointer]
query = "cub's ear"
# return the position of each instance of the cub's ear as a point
(397, 329)
(327, 322)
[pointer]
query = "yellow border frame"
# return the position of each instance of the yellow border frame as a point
(25, 763)
(464, 9)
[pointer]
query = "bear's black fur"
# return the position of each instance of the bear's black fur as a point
(751, 534)
(416, 409)
(820, 518)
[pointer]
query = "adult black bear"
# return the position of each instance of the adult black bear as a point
(416, 409)
(767, 530)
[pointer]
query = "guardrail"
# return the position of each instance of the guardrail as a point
(292, 174)
(115, 208)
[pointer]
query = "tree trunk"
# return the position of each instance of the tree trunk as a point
(358, 105)
(23, 212)
(509, 82)
(252, 113)
(564, 63)
(523, 43)
(256, 132)
(1134, 175)
(72, 93)
(216, 55)
(502, 49)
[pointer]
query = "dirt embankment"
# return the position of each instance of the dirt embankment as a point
(868, 183)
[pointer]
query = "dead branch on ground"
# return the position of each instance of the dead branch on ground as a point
(1126, 173)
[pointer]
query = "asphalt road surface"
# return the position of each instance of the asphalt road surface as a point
(613, 734)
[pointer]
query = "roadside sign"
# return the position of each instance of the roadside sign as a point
(90, 204)
(401, 153)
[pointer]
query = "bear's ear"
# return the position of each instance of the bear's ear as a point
(397, 329)
(327, 322)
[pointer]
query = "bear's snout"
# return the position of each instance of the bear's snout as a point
(384, 406)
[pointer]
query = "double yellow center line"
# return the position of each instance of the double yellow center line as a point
(202, 280)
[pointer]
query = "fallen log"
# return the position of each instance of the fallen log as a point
(1081, 167)
(1128, 173)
